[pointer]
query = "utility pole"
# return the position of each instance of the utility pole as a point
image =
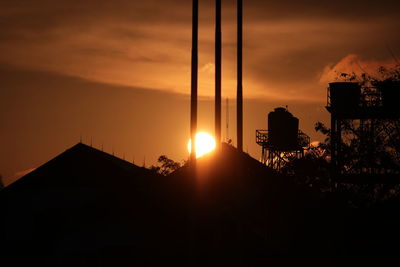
(218, 56)
(239, 99)
(194, 70)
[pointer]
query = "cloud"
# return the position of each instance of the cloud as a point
(353, 63)
(339, 9)
(147, 44)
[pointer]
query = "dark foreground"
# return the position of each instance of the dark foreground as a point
(88, 208)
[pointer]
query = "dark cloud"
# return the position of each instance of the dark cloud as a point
(314, 9)
(286, 41)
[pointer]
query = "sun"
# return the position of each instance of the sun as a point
(205, 143)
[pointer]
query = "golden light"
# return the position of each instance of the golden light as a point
(205, 143)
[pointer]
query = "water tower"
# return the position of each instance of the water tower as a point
(365, 122)
(283, 140)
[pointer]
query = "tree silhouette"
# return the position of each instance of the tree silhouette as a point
(167, 166)
(371, 145)
(371, 142)
(313, 169)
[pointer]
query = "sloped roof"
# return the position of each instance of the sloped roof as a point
(80, 165)
(256, 213)
(85, 202)
(235, 172)
(88, 208)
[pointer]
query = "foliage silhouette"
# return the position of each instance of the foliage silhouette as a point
(313, 169)
(377, 142)
(359, 149)
(167, 167)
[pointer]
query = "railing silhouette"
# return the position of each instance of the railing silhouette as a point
(262, 139)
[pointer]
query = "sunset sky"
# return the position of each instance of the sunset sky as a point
(118, 72)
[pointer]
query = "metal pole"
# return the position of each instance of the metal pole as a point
(227, 120)
(218, 52)
(194, 70)
(239, 75)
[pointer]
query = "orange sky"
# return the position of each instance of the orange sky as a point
(119, 71)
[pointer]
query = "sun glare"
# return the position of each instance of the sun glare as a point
(205, 143)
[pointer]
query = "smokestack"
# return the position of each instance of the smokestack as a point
(218, 48)
(239, 103)
(193, 95)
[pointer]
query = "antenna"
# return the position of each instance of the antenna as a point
(194, 70)
(239, 103)
(218, 52)
(227, 119)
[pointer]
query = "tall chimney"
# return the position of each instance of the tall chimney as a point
(218, 48)
(194, 70)
(239, 103)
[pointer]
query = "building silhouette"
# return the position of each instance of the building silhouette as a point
(365, 123)
(283, 141)
(88, 208)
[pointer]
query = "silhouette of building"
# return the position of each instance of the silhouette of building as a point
(88, 208)
(283, 140)
(365, 123)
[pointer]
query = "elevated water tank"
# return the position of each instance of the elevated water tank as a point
(283, 129)
(344, 96)
(390, 91)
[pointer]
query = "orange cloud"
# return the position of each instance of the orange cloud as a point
(147, 44)
(353, 63)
